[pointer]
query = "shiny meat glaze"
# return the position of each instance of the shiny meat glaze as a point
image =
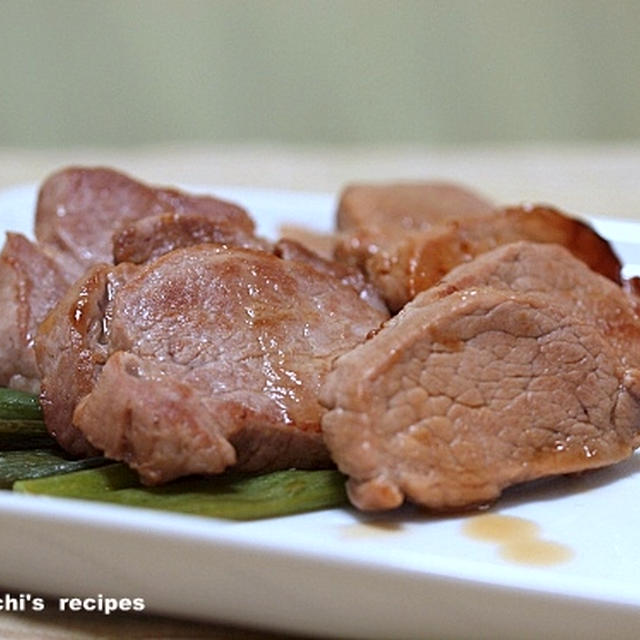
(521, 364)
(288, 249)
(372, 217)
(79, 209)
(406, 236)
(403, 267)
(202, 359)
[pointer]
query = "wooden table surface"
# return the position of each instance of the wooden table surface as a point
(600, 180)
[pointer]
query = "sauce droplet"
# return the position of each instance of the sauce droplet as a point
(372, 529)
(498, 528)
(536, 552)
(518, 540)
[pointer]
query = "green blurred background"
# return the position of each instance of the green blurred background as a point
(125, 72)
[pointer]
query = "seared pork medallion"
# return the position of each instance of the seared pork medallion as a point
(420, 260)
(79, 209)
(404, 248)
(207, 358)
(370, 218)
(168, 335)
(78, 212)
(520, 364)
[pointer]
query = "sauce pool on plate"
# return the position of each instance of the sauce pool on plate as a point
(518, 540)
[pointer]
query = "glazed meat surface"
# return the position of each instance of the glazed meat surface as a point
(521, 364)
(372, 218)
(79, 209)
(206, 358)
(405, 265)
(348, 275)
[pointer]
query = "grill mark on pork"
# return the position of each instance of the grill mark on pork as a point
(213, 358)
(520, 364)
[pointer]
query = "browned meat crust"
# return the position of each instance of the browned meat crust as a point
(417, 261)
(405, 237)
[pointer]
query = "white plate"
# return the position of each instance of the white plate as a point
(336, 572)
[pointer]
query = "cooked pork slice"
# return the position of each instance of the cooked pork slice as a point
(398, 208)
(31, 282)
(521, 364)
(79, 209)
(147, 238)
(404, 267)
(351, 276)
(374, 218)
(205, 358)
